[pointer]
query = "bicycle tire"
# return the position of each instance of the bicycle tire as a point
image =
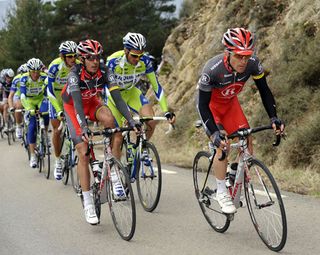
(206, 199)
(66, 158)
(47, 154)
(263, 198)
(25, 143)
(12, 130)
(149, 178)
(73, 171)
(123, 210)
(8, 132)
(1, 125)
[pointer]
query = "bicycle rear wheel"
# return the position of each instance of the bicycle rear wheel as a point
(265, 205)
(122, 209)
(149, 177)
(47, 153)
(205, 189)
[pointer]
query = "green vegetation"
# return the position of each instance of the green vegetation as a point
(36, 28)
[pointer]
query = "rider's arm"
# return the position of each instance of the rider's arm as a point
(52, 72)
(73, 86)
(266, 96)
(158, 90)
(23, 89)
(207, 119)
(10, 99)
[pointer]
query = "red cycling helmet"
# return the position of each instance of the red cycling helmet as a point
(89, 47)
(239, 41)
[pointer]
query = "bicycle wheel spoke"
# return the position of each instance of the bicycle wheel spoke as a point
(122, 208)
(205, 190)
(149, 178)
(266, 207)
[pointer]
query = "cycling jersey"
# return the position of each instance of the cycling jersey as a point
(80, 97)
(57, 78)
(16, 83)
(6, 89)
(33, 91)
(128, 76)
(219, 86)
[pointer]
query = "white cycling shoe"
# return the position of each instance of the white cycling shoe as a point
(226, 203)
(19, 132)
(33, 161)
(90, 214)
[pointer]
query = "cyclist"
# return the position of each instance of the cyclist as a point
(57, 77)
(14, 98)
(222, 79)
(128, 66)
(81, 98)
(8, 75)
(33, 97)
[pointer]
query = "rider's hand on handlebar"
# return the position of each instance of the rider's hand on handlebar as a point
(136, 125)
(277, 125)
(219, 140)
(86, 134)
(11, 109)
(171, 117)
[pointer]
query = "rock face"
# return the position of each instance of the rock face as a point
(198, 38)
(287, 43)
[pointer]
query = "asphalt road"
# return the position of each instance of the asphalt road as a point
(39, 216)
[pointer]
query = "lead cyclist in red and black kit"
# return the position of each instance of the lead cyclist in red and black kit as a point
(222, 79)
(80, 98)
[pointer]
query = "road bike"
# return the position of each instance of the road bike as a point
(42, 149)
(112, 185)
(142, 160)
(11, 130)
(262, 195)
(1, 125)
(68, 156)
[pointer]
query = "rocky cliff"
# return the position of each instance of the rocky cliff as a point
(287, 33)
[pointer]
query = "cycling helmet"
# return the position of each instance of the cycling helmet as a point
(34, 64)
(134, 41)
(68, 47)
(10, 73)
(22, 69)
(239, 40)
(89, 47)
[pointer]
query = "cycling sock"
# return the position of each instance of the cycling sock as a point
(221, 186)
(86, 198)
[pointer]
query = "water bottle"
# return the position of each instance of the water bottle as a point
(130, 151)
(97, 170)
(41, 123)
(232, 171)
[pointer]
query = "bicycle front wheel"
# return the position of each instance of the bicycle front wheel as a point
(47, 153)
(122, 208)
(205, 189)
(265, 205)
(149, 177)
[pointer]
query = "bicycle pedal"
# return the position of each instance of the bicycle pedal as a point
(230, 216)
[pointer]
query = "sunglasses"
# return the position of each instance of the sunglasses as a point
(93, 57)
(241, 57)
(71, 55)
(136, 55)
(35, 71)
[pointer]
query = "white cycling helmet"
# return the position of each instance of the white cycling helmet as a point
(22, 69)
(34, 64)
(68, 47)
(10, 73)
(134, 41)
(3, 73)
